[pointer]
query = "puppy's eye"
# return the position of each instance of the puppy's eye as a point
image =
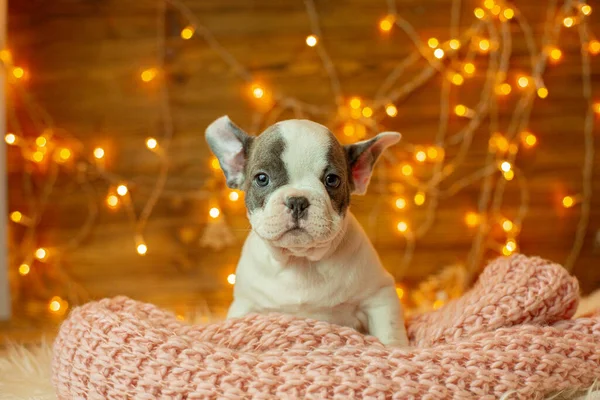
(262, 179)
(332, 181)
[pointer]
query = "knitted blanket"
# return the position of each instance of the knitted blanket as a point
(510, 334)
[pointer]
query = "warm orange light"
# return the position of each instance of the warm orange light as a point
(214, 212)
(505, 166)
(484, 45)
(438, 304)
(348, 129)
(149, 74)
(231, 279)
(399, 292)
(18, 72)
(10, 138)
(523, 81)
(596, 107)
(367, 112)
(472, 219)
(586, 9)
(355, 103)
(432, 152)
(24, 269)
(509, 247)
(122, 190)
(407, 170)
(509, 175)
(187, 32)
(41, 254)
(400, 203)
(419, 198)
(433, 42)
(469, 68)
(55, 304)
(234, 196)
(64, 154)
(5, 56)
(99, 153)
(387, 23)
(402, 226)
(555, 54)
(151, 143)
(37, 156)
(498, 142)
(460, 110)
(41, 141)
(568, 201)
(542, 93)
(438, 53)
(141, 249)
(568, 22)
(257, 91)
(529, 140)
(496, 10)
(479, 13)
(489, 4)
(503, 89)
(508, 13)
(391, 110)
(507, 225)
(112, 201)
(420, 156)
(457, 79)
(311, 40)
(594, 47)
(16, 216)
(214, 163)
(454, 44)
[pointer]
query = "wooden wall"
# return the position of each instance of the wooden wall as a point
(84, 58)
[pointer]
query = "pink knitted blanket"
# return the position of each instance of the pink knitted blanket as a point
(510, 333)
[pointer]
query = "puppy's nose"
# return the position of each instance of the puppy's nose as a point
(298, 205)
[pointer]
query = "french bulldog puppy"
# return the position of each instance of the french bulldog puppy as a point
(306, 254)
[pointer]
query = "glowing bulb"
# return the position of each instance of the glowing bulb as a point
(187, 32)
(400, 292)
(18, 72)
(24, 269)
(511, 245)
(568, 22)
(311, 40)
(568, 201)
(507, 225)
(5, 56)
(508, 13)
(407, 170)
(355, 103)
(472, 219)
(505, 166)
(542, 93)
(64, 154)
(151, 143)
(149, 74)
(367, 112)
(555, 54)
(231, 279)
(38, 156)
(402, 226)
(122, 190)
(420, 156)
(460, 110)
(387, 23)
(479, 13)
(457, 79)
(469, 68)
(349, 129)
(586, 9)
(496, 10)
(40, 141)
(41, 254)
(484, 45)
(141, 249)
(509, 175)
(391, 110)
(596, 108)
(234, 196)
(454, 44)
(489, 4)
(214, 212)
(400, 203)
(419, 198)
(438, 53)
(55, 304)
(523, 81)
(356, 114)
(16, 216)
(10, 138)
(99, 153)
(529, 140)
(433, 42)
(257, 91)
(432, 152)
(594, 47)
(503, 89)
(112, 201)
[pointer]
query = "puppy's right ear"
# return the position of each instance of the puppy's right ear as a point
(230, 145)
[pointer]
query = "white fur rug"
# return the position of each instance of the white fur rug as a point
(25, 372)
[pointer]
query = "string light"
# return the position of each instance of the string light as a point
(438, 53)
(16, 216)
(187, 32)
(505, 166)
(523, 81)
(419, 198)
(391, 110)
(479, 13)
(367, 112)
(6, 56)
(41, 254)
(55, 304)
(407, 170)
(555, 54)
(151, 143)
(149, 74)
(37, 156)
(24, 269)
(454, 44)
(432, 152)
(457, 79)
(355, 103)
(400, 203)
(214, 212)
(509, 175)
(63, 154)
(542, 93)
(509, 247)
(568, 201)
(420, 156)
(402, 226)
(489, 4)
(484, 45)
(399, 292)
(472, 219)
(348, 129)
(112, 201)
(234, 196)
(594, 47)
(496, 10)
(257, 91)
(231, 279)
(507, 225)
(122, 190)
(387, 23)
(469, 68)
(10, 138)
(596, 107)
(586, 9)
(508, 13)
(433, 42)
(568, 22)
(528, 139)
(98, 153)
(18, 72)
(311, 40)
(140, 246)
(461, 110)
(503, 89)
(41, 141)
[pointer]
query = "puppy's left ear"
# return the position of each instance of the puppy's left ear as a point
(362, 157)
(230, 145)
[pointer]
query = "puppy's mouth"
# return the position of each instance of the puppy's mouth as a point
(295, 231)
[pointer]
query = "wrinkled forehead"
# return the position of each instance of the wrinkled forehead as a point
(302, 147)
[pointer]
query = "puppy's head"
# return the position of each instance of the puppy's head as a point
(297, 177)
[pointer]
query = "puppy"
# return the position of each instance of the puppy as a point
(306, 254)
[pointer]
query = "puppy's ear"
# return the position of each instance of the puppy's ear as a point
(362, 156)
(230, 145)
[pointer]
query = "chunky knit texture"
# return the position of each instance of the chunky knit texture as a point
(509, 334)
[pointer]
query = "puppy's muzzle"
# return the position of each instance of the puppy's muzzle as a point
(298, 206)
